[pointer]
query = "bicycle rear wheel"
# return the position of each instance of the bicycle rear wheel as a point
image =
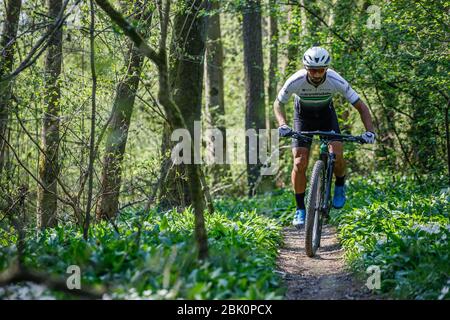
(313, 226)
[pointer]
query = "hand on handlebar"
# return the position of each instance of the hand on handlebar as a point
(285, 131)
(368, 137)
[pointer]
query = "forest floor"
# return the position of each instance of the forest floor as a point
(323, 277)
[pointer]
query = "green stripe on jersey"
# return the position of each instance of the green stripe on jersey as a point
(323, 98)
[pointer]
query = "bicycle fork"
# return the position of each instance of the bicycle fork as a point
(328, 179)
(325, 205)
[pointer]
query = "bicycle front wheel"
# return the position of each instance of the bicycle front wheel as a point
(313, 210)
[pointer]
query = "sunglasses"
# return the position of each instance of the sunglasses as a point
(316, 70)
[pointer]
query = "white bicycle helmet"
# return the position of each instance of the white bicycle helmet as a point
(316, 57)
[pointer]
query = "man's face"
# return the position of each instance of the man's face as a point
(316, 75)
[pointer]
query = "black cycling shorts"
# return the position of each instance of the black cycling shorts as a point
(312, 119)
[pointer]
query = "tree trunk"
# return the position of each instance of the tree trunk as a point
(7, 43)
(447, 137)
(273, 61)
(175, 118)
(186, 76)
(87, 218)
(214, 111)
(49, 162)
(254, 86)
(117, 134)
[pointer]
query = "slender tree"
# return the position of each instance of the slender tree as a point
(49, 161)
(7, 44)
(273, 59)
(117, 134)
(87, 219)
(254, 86)
(214, 112)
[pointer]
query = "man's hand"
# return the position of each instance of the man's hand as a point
(284, 131)
(368, 136)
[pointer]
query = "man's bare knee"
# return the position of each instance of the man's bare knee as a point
(300, 164)
(300, 159)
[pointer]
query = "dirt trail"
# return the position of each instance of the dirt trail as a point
(323, 277)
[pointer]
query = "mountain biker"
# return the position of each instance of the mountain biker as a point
(313, 88)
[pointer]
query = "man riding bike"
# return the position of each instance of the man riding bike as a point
(313, 88)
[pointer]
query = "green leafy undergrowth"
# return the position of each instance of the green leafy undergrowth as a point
(154, 256)
(403, 228)
(279, 205)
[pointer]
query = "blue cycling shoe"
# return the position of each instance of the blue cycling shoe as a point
(299, 218)
(339, 197)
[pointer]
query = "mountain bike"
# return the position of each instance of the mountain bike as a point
(319, 196)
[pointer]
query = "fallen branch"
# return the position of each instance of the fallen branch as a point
(17, 274)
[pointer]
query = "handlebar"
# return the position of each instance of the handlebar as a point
(327, 135)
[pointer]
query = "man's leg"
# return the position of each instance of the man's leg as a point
(298, 179)
(339, 166)
(298, 175)
(339, 171)
(300, 152)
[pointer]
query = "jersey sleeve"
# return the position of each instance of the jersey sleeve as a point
(343, 87)
(291, 86)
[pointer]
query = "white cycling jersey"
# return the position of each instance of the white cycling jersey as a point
(316, 96)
